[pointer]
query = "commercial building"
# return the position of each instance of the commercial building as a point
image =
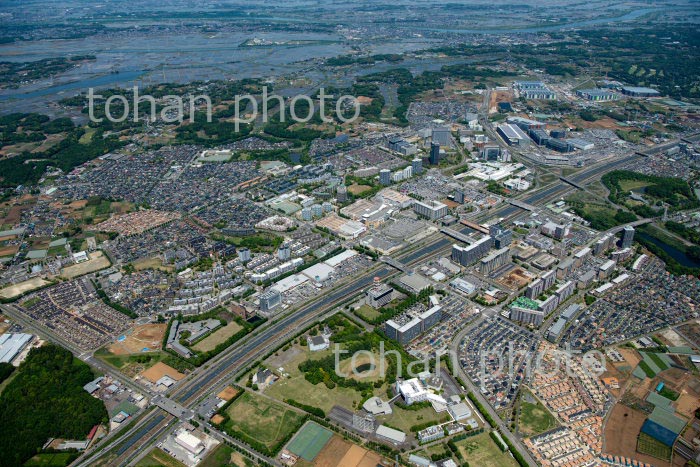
(491, 153)
(190, 442)
(470, 254)
(433, 210)
(463, 286)
(559, 145)
(415, 283)
(512, 135)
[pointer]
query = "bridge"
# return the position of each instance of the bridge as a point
(394, 263)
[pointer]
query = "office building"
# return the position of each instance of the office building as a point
(434, 154)
(539, 136)
(269, 300)
(379, 295)
(459, 196)
(472, 253)
(559, 145)
(441, 136)
(417, 166)
(501, 237)
(627, 237)
(491, 153)
(526, 124)
(385, 177)
(432, 210)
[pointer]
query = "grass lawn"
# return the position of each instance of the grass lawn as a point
(262, 419)
(648, 445)
(356, 189)
(535, 418)
(404, 419)
(133, 364)
(217, 337)
(225, 455)
(60, 459)
(630, 185)
(157, 458)
(482, 451)
(297, 388)
(367, 313)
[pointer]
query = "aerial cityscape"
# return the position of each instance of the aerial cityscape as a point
(350, 233)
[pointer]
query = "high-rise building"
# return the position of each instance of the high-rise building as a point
(433, 210)
(284, 252)
(306, 214)
(627, 236)
(501, 237)
(341, 194)
(471, 253)
(434, 154)
(526, 316)
(459, 196)
(495, 260)
(317, 210)
(417, 165)
(244, 254)
(385, 177)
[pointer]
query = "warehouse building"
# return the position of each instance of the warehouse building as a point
(636, 91)
(598, 95)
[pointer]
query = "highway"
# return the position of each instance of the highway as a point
(218, 372)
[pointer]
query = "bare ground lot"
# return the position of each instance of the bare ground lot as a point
(144, 336)
(15, 290)
(97, 261)
(621, 431)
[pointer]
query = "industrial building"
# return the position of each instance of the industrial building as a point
(597, 95)
(636, 91)
(11, 345)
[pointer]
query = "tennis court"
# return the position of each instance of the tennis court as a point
(309, 441)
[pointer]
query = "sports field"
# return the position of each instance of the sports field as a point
(262, 419)
(309, 441)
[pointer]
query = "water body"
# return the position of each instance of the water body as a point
(673, 252)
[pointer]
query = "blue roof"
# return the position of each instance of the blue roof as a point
(659, 433)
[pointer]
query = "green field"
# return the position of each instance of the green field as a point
(297, 388)
(648, 445)
(158, 458)
(262, 420)
(482, 451)
(309, 441)
(60, 459)
(535, 419)
(133, 364)
(367, 313)
(403, 419)
(225, 455)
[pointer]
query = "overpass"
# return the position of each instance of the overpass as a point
(394, 263)
(457, 235)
